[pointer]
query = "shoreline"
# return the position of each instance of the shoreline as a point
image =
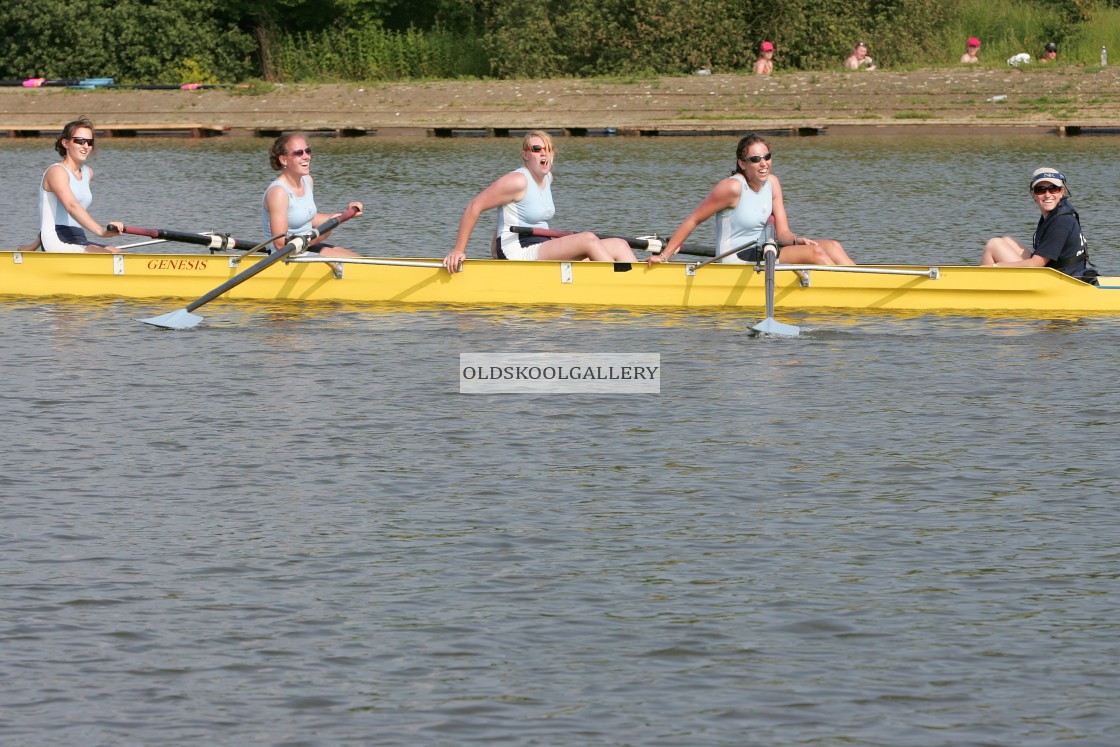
(1068, 100)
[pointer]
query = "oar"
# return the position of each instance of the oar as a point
(184, 319)
(237, 260)
(216, 242)
(367, 261)
(692, 268)
(41, 82)
(769, 326)
(653, 243)
(136, 244)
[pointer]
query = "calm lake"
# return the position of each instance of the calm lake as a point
(287, 527)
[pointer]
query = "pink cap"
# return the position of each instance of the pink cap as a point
(974, 42)
(767, 46)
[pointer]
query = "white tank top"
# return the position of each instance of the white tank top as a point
(743, 223)
(535, 210)
(52, 213)
(301, 210)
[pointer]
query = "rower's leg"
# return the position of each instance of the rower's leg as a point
(1003, 249)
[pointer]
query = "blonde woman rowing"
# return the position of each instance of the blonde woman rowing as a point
(524, 198)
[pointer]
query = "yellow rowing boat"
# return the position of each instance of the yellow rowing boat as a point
(483, 281)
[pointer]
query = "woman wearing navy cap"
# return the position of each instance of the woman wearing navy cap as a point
(1058, 240)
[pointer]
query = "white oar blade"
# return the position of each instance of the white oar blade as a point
(769, 326)
(181, 319)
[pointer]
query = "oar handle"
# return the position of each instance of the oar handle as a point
(330, 224)
(217, 242)
(653, 245)
(550, 233)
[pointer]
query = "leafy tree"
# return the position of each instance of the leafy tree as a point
(167, 40)
(597, 35)
(522, 39)
(677, 37)
(133, 41)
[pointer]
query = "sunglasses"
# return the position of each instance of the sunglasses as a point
(537, 148)
(82, 141)
(756, 159)
(300, 152)
(1041, 189)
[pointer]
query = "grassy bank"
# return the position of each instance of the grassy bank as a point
(961, 96)
(651, 37)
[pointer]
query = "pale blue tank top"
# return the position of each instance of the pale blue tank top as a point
(744, 222)
(301, 210)
(52, 213)
(535, 210)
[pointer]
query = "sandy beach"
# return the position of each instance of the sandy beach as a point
(966, 97)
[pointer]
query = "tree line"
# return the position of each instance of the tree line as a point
(225, 41)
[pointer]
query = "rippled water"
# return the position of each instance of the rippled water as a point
(926, 198)
(286, 527)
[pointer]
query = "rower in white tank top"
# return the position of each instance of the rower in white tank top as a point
(524, 196)
(745, 222)
(58, 230)
(534, 210)
(301, 210)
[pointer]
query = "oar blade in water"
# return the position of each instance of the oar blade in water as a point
(180, 319)
(770, 326)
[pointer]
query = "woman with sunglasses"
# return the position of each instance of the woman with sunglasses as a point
(289, 201)
(742, 204)
(1058, 240)
(524, 198)
(65, 196)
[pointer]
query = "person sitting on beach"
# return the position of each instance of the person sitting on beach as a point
(65, 194)
(289, 201)
(524, 198)
(859, 59)
(743, 204)
(972, 47)
(1058, 240)
(764, 65)
(1049, 53)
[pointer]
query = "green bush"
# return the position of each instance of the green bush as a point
(373, 53)
(166, 41)
(130, 40)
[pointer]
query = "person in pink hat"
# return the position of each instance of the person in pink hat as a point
(969, 57)
(764, 65)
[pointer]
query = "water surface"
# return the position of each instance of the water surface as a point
(924, 199)
(286, 527)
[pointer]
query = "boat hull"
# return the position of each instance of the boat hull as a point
(484, 281)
